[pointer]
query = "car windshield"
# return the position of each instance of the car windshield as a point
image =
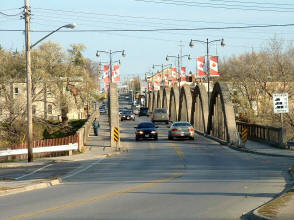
(182, 124)
(146, 125)
(160, 110)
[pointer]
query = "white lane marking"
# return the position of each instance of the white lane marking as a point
(82, 170)
(35, 171)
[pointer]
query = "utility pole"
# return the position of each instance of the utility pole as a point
(27, 14)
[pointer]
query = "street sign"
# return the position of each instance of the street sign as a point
(116, 134)
(280, 103)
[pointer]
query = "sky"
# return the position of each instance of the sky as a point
(144, 49)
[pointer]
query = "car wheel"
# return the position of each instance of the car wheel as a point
(169, 137)
(137, 139)
(192, 138)
(156, 138)
(166, 122)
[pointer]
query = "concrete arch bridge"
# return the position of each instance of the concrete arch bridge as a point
(214, 117)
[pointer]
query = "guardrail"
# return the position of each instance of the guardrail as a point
(271, 135)
(42, 148)
(52, 147)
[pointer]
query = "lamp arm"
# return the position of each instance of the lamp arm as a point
(46, 36)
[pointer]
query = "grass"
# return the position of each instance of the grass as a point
(271, 209)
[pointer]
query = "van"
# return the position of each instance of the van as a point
(160, 115)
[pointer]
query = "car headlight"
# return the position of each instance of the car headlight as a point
(153, 132)
(141, 132)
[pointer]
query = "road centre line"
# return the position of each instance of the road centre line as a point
(96, 199)
(35, 171)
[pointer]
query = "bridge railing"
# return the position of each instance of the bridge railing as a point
(268, 134)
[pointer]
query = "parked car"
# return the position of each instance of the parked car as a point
(102, 109)
(143, 111)
(146, 130)
(127, 115)
(181, 129)
(160, 115)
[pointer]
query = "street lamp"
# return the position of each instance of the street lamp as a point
(191, 44)
(29, 77)
(178, 57)
(162, 69)
(98, 54)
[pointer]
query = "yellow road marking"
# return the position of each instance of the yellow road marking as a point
(179, 151)
(96, 199)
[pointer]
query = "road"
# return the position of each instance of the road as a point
(160, 180)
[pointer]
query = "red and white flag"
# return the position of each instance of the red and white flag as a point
(115, 74)
(183, 74)
(174, 74)
(106, 78)
(200, 67)
(157, 81)
(213, 66)
(149, 85)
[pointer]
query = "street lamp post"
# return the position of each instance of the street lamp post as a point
(207, 42)
(28, 47)
(178, 57)
(162, 69)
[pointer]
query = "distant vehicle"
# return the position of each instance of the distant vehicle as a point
(143, 111)
(136, 110)
(160, 115)
(146, 130)
(181, 129)
(127, 115)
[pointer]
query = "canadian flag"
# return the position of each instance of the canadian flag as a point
(115, 74)
(150, 85)
(106, 78)
(165, 78)
(213, 66)
(183, 74)
(174, 74)
(157, 80)
(200, 67)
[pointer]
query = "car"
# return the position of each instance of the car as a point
(127, 115)
(146, 130)
(143, 111)
(160, 115)
(181, 129)
(135, 110)
(102, 111)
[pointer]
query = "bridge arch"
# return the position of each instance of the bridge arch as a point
(160, 97)
(166, 98)
(185, 103)
(199, 111)
(174, 103)
(154, 101)
(221, 118)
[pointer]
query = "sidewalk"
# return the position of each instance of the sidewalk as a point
(264, 149)
(281, 208)
(98, 147)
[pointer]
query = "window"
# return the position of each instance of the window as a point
(16, 90)
(50, 109)
(34, 109)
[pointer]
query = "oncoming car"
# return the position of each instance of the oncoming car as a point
(146, 130)
(127, 115)
(181, 129)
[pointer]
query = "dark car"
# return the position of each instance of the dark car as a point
(146, 130)
(143, 111)
(127, 115)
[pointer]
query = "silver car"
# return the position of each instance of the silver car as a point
(181, 129)
(160, 115)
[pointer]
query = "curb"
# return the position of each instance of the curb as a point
(18, 165)
(40, 185)
(254, 215)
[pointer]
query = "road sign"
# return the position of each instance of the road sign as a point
(116, 134)
(280, 103)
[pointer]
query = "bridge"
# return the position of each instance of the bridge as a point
(213, 116)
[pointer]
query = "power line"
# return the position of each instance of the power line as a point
(218, 6)
(2, 13)
(164, 29)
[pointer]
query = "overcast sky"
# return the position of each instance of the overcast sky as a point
(147, 48)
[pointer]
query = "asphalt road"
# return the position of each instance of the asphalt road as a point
(159, 180)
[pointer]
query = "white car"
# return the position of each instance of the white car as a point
(181, 129)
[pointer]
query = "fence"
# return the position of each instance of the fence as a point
(267, 134)
(52, 147)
